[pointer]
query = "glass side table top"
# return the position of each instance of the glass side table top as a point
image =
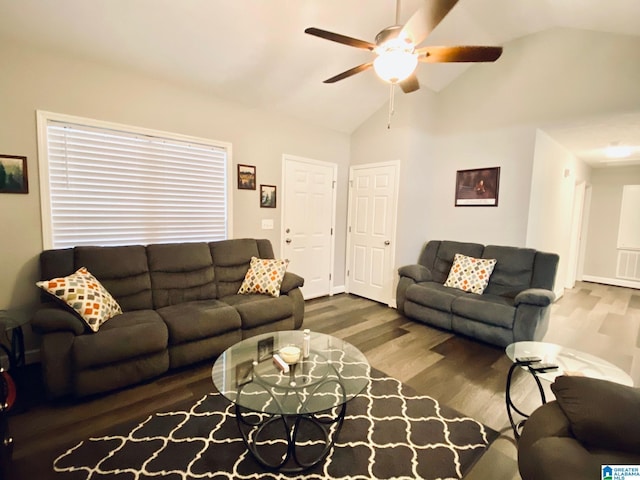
(569, 361)
(10, 319)
(334, 373)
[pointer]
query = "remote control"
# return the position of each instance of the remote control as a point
(528, 360)
(543, 367)
(280, 363)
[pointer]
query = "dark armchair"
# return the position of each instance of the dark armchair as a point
(591, 424)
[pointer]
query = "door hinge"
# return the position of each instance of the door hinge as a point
(329, 276)
(347, 273)
(333, 184)
(331, 231)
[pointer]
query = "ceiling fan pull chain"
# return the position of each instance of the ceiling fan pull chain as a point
(391, 106)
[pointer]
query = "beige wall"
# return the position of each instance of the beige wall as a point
(36, 80)
(556, 172)
(601, 251)
(490, 117)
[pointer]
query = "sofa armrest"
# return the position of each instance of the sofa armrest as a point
(55, 319)
(602, 414)
(417, 272)
(535, 296)
(291, 281)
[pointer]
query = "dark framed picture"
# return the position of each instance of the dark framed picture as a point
(244, 373)
(265, 349)
(477, 187)
(246, 177)
(268, 196)
(13, 174)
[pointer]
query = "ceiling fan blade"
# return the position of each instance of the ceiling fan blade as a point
(426, 19)
(349, 73)
(410, 84)
(459, 54)
(336, 37)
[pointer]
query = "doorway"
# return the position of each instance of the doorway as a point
(308, 222)
(373, 200)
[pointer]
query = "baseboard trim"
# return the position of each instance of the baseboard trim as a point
(339, 289)
(616, 282)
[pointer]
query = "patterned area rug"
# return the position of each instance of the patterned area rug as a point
(389, 432)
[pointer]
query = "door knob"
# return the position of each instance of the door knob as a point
(387, 242)
(288, 240)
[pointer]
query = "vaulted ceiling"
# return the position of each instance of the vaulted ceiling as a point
(255, 51)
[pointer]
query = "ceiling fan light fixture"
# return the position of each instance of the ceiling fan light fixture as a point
(394, 65)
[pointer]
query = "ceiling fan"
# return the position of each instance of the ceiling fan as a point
(396, 47)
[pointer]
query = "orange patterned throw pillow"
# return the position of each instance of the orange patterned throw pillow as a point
(85, 295)
(470, 274)
(264, 276)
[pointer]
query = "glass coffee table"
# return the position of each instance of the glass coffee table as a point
(569, 362)
(289, 421)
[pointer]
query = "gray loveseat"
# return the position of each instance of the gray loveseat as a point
(514, 306)
(180, 306)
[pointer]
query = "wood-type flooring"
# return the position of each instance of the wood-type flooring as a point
(459, 372)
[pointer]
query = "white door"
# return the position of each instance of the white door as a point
(373, 199)
(308, 222)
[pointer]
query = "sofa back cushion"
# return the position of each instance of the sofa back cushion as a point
(231, 260)
(437, 256)
(123, 271)
(181, 272)
(513, 271)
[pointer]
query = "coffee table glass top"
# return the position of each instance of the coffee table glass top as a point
(569, 361)
(334, 373)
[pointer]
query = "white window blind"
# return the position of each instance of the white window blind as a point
(112, 187)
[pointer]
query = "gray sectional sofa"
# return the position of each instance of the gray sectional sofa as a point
(514, 306)
(180, 306)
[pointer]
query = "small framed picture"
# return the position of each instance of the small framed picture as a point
(13, 174)
(265, 349)
(246, 177)
(267, 196)
(477, 187)
(244, 373)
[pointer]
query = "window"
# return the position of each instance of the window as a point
(107, 184)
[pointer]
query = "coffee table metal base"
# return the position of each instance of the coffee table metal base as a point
(257, 431)
(511, 407)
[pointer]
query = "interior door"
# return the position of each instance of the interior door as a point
(308, 222)
(373, 199)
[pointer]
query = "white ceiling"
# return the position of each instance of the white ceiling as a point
(255, 51)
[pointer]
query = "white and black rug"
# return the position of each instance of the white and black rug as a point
(389, 432)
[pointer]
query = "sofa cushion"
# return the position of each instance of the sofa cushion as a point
(264, 276)
(433, 295)
(181, 272)
(197, 320)
(513, 271)
(122, 270)
(256, 310)
(130, 335)
(231, 259)
(470, 274)
(85, 295)
(442, 258)
(489, 309)
(600, 412)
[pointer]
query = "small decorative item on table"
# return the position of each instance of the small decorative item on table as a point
(290, 354)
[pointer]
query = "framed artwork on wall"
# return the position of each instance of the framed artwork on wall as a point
(13, 174)
(477, 187)
(267, 196)
(246, 177)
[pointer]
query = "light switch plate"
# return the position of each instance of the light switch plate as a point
(267, 224)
